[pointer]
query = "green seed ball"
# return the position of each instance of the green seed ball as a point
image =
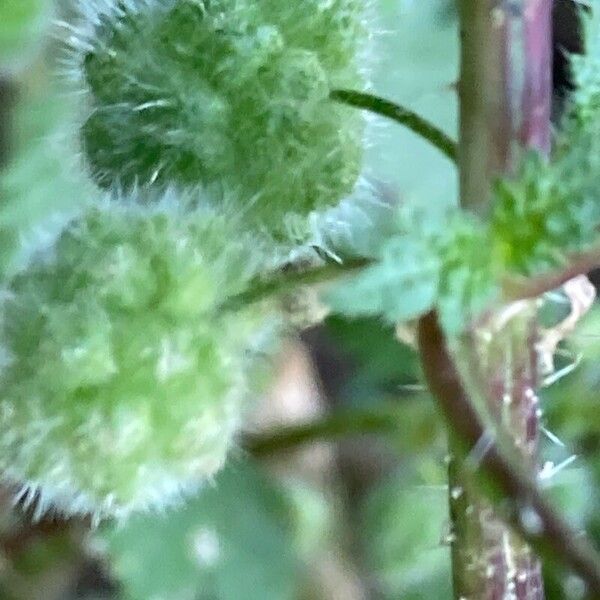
(121, 386)
(233, 93)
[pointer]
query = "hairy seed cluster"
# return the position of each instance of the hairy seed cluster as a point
(121, 386)
(125, 366)
(227, 92)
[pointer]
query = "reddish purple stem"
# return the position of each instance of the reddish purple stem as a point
(537, 89)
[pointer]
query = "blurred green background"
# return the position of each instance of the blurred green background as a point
(363, 518)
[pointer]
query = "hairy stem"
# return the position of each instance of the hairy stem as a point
(492, 469)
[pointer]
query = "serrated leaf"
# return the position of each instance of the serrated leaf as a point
(469, 272)
(403, 285)
(228, 543)
(448, 264)
(550, 209)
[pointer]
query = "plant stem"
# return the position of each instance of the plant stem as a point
(536, 91)
(514, 496)
(7, 99)
(284, 281)
(411, 422)
(513, 287)
(485, 117)
(402, 115)
(505, 101)
(533, 287)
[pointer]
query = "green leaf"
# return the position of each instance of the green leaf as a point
(230, 542)
(403, 525)
(401, 286)
(380, 364)
(550, 210)
(449, 264)
(469, 273)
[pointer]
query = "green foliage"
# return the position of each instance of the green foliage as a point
(550, 210)
(120, 385)
(470, 272)
(403, 528)
(585, 70)
(233, 93)
(381, 364)
(448, 265)
(20, 23)
(542, 216)
(230, 542)
(42, 183)
(402, 286)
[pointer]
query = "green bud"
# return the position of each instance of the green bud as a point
(121, 385)
(233, 93)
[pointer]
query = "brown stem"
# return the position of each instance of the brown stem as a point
(509, 486)
(484, 148)
(536, 97)
(505, 96)
(533, 287)
(501, 370)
